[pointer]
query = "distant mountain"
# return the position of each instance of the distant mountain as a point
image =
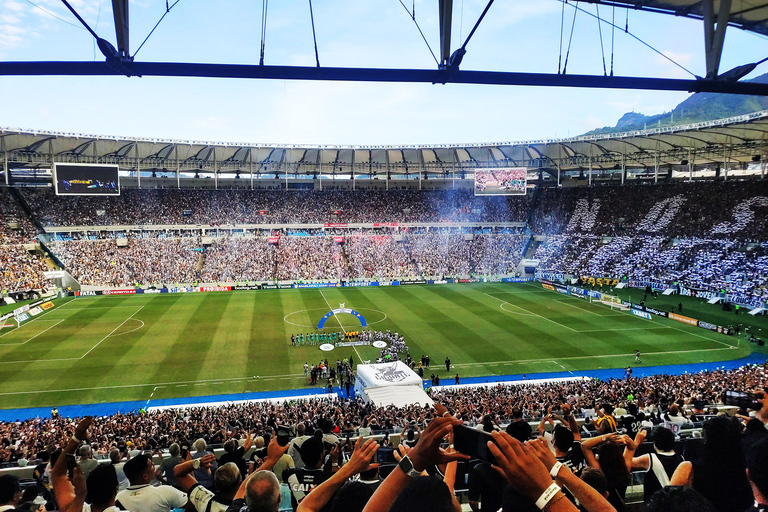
(703, 106)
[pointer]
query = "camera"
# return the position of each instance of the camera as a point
(744, 400)
(473, 442)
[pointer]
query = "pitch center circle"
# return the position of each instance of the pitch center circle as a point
(287, 318)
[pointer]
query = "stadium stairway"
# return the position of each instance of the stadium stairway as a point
(604, 374)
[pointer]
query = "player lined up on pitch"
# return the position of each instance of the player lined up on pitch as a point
(320, 338)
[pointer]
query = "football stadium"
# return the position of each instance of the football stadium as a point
(559, 324)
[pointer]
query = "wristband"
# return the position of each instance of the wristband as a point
(555, 469)
(75, 439)
(547, 495)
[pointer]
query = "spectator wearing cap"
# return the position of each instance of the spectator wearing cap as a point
(659, 465)
(486, 488)
(141, 495)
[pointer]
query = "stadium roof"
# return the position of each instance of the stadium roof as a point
(717, 15)
(735, 140)
(749, 15)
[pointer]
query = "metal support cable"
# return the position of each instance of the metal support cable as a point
(314, 36)
(562, 23)
(264, 7)
(600, 31)
(413, 17)
(570, 39)
(167, 10)
(577, 8)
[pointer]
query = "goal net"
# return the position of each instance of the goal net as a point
(613, 302)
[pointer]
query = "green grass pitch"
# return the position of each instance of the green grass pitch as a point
(116, 348)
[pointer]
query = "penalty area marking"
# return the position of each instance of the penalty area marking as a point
(532, 313)
(82, 356)
(36, 335)
(132, 330)
(314, 326)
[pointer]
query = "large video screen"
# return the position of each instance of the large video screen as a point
(86, 179)
(492, 182)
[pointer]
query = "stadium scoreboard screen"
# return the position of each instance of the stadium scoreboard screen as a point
(86, 179)
(492, 182)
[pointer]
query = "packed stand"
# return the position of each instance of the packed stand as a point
(732, 210)
(314, 441)
(151, 261)
(206, 207)
(378, 256)
(238, 259)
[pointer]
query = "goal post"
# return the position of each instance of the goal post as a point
(612, 301)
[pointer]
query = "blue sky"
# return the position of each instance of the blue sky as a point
(519, 35)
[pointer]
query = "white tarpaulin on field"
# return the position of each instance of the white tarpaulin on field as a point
(390, 384)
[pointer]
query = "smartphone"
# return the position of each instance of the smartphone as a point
(473, 442)
(71, 463)
(184, 453)
(743, 399)
(284, 435)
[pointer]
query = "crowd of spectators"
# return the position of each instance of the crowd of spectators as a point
(103, 263)
(234, 259)
(704, 264)
(693, 233)
(204, 207)
(20, 270)
(155, 261)
(12, 215)
(158, 430)
(729, 210)
(440, 255)
(378, 256)
(609, 408)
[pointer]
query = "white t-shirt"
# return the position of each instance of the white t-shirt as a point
(199, 496)
(87, 508)
(146, 498)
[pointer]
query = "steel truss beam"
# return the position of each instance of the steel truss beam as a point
(176, 69)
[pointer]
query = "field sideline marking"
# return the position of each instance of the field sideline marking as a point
(158, 385)
(113, 330)
(545, 360)
(563, 367)
(534, 314)
(342, 327)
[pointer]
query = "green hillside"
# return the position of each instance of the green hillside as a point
(705, 106)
